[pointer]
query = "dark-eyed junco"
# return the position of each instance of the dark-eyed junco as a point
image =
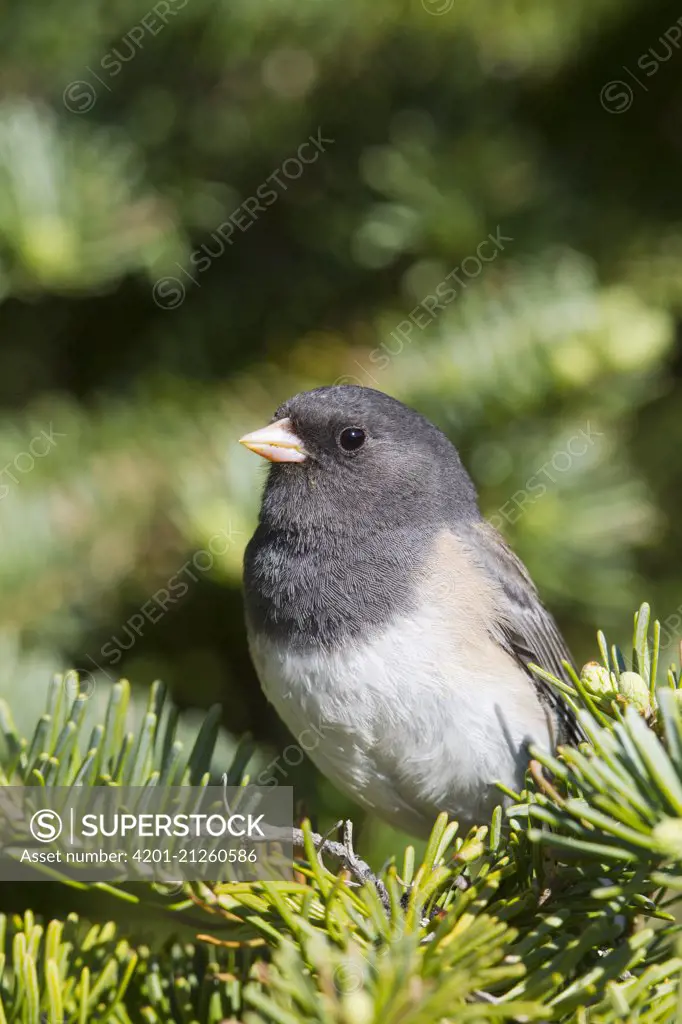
(384, 612)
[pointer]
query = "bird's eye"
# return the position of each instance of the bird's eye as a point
(352, 438)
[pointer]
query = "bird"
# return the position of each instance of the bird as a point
(386, 617)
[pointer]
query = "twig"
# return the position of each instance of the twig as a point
(346, 854)
(342, 851)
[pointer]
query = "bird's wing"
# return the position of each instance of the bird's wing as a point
(524, 627)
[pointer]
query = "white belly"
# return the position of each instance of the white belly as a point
(410, 724)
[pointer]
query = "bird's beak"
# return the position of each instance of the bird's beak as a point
(276, 442)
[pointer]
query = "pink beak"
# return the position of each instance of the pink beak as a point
(276, 442)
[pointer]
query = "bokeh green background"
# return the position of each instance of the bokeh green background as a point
(129, 134)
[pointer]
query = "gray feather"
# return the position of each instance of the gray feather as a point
(525, 627)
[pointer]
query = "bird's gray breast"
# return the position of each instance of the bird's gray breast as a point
(311, 589)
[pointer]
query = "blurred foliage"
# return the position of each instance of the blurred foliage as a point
(131, 361)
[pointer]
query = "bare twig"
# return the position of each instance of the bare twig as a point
(345, 852)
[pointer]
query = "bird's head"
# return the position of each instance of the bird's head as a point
(342, 452)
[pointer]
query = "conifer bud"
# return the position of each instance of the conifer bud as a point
(632, 687)
(597, 680)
